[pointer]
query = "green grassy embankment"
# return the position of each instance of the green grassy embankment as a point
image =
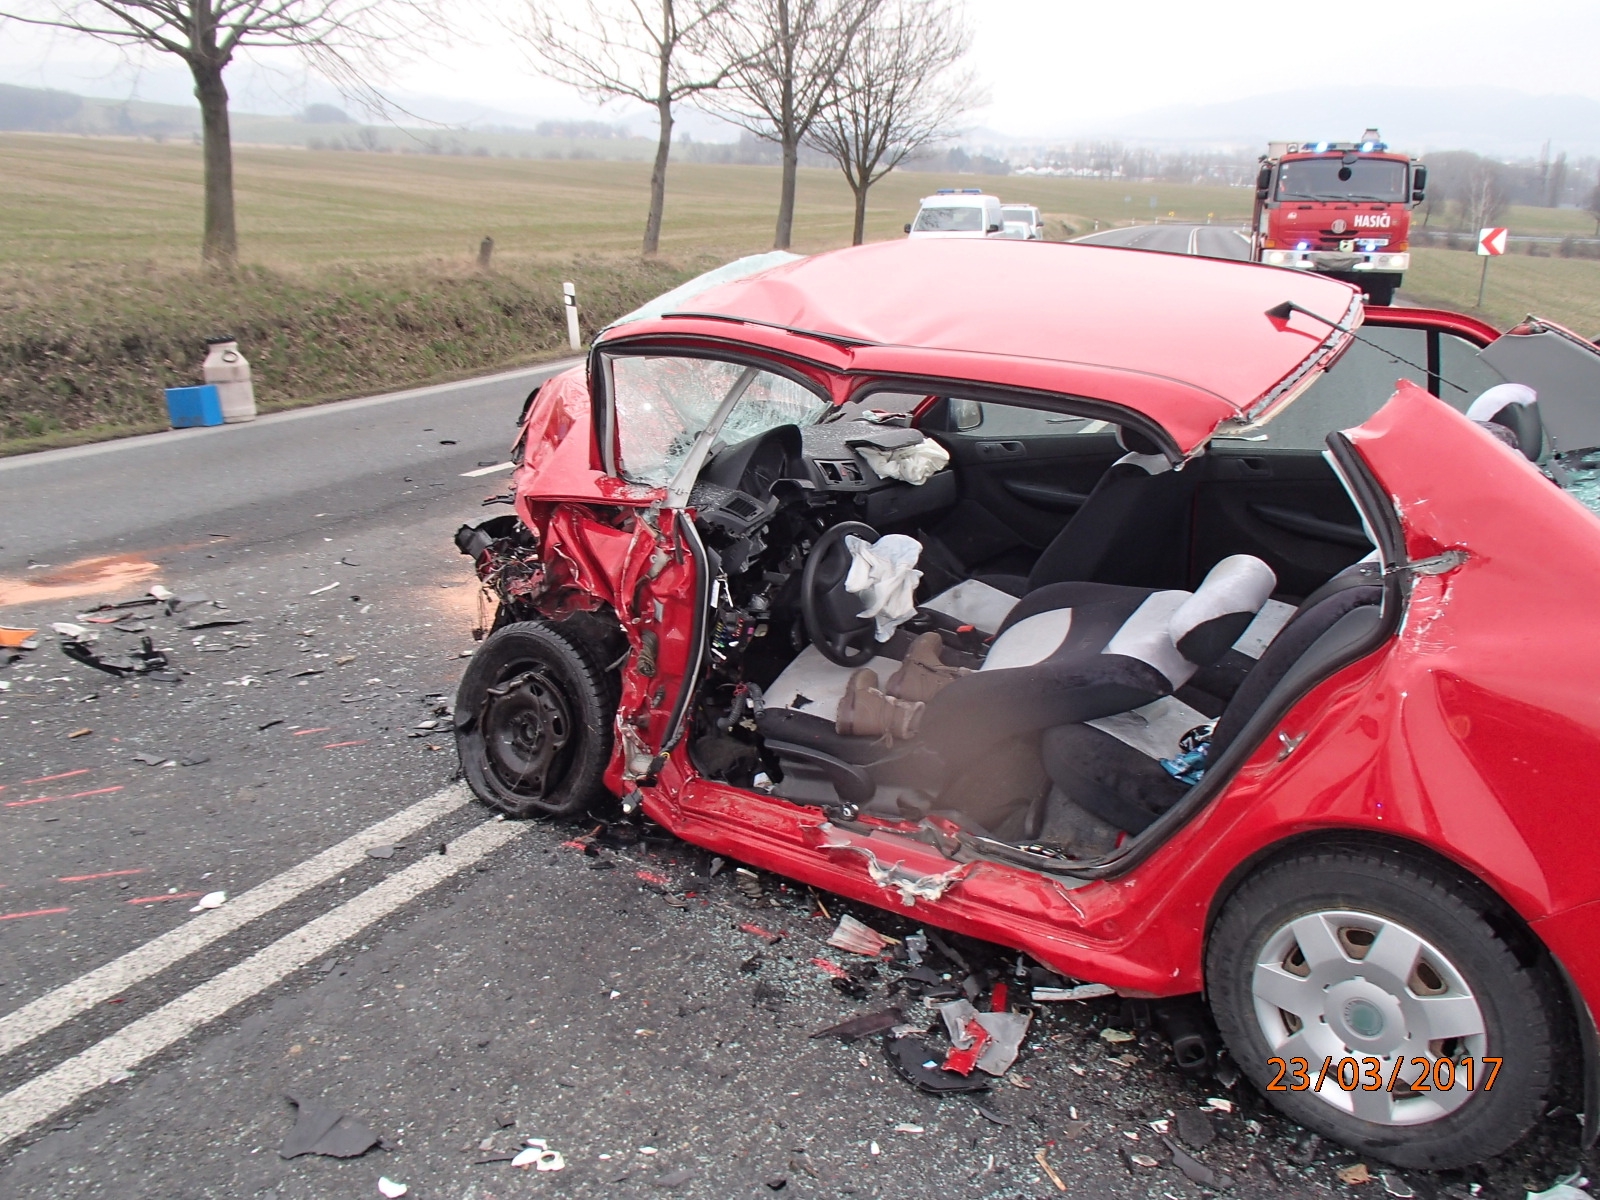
(358, 270)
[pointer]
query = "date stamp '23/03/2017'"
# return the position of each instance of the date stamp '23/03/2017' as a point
(1368, 1074)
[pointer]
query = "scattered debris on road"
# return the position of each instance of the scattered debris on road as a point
(210, 900)
(390, 1188)
(326, 1130)
(857, 937)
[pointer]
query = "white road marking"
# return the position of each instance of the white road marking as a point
(66, 1002)
(1194, 241)
(107, 1060)
(496, 469)
(309, 412)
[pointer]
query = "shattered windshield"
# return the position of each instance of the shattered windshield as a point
(663, 403)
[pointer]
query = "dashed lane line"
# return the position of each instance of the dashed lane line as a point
(110, 1059)
(494, 470)
(57, 1007)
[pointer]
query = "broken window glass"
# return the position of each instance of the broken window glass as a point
(663, 403)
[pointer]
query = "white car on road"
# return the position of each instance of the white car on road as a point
(1021, 222)
(963, 213)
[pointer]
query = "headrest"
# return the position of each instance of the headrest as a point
(1138, 443)
(1222, 607)
(1513, 406)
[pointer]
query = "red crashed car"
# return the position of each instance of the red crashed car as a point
(1113, 606)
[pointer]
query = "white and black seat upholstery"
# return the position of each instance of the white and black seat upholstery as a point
(1068, 653)
(1071, 652)
(1111, 767)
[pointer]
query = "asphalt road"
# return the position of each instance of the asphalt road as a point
(1212, 241)
(476, 982)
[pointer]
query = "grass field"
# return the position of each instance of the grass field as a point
(1562, 289)
(358, 268)
(65, 199)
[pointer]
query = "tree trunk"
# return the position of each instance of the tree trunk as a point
(220, 246)
(791, 166)
(658, 176)
(859, 230)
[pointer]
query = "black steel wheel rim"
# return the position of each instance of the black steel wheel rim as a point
(528, 733)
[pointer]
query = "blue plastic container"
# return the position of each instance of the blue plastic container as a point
(193, 406)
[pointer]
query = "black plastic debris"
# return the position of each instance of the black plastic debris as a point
(1194, 1128)
(326, 1130)
(863, 1026)
(1196, 1171)
(912, 1060)
(216, 622)
(778, 1182)
(146, 661)
(674, 1179)
(380, 851)
(988, 1114)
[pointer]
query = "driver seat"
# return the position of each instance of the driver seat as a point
(1066, 653)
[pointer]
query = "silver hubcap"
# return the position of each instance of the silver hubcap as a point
(1342, 985)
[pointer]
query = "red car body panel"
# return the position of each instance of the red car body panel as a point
(1118, 325)
(1469, 734)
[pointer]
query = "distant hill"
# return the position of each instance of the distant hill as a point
(321, 126)
(1495, 121)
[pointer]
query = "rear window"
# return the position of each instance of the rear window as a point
(1018, 214)
(963, 218)
(1364, 378)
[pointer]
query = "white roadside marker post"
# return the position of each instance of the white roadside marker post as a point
(569, 296)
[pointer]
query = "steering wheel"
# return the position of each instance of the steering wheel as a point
(830, 612)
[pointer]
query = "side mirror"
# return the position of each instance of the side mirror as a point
(965, 414)
(994, 229)
(1419, 183)
(908, 226)
(1264, 181)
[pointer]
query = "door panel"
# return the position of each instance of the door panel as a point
(1288, 509)
(1023, 473)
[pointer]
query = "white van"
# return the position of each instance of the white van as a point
(958, 213)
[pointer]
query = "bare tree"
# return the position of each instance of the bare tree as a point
(652, 51)
(343, 39)
(897, 91)
(1484, 198)
(785, 56)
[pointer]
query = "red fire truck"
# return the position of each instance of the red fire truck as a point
(1341, 208)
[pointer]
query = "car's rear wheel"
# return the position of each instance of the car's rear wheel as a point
(1426, 1041)
(533, 722)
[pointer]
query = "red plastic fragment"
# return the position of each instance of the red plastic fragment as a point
(828, 968)
(962, 1061)
(998, 998)
(765, 935)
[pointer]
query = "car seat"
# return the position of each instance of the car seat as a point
(1115, 773)
(1129, 529)
(1066, 653)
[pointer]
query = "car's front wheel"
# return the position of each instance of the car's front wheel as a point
(533, 722)
(1372, 1001)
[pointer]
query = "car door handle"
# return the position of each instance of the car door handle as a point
(1043, 495)
(1307, 525)
(993, 450)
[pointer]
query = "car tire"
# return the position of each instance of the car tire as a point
(1308, 934)
(533, 722)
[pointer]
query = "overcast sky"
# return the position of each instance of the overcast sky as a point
(1051, 67)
